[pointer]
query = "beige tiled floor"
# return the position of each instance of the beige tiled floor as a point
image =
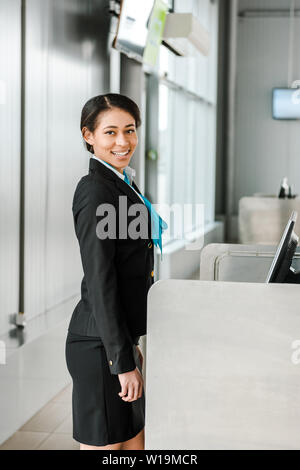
(49, 429)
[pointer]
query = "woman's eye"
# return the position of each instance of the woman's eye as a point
(129, 130)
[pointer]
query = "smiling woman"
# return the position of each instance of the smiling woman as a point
(112, 137)
(102, 353)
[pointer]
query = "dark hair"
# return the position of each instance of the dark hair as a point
(96, 105)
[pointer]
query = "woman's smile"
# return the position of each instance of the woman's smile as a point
(121, 155)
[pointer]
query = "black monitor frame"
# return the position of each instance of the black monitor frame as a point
(281, 270)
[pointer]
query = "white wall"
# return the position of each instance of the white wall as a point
(265, 149)
(10, 104)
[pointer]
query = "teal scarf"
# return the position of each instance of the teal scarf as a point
(158, 225)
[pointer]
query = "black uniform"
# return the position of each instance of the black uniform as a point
(112, 313)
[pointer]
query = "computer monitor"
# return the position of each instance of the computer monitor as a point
(281, 269)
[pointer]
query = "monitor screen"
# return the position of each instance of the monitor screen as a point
(280, 268)
(286, 103)
(133, 27)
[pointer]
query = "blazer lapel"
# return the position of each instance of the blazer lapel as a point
(125, 188)
(96, 166)
(149, 215)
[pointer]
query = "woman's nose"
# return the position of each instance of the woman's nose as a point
(121, 139)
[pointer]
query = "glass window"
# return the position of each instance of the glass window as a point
(187, 122)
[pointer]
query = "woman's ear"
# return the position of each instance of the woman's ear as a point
(87, 135)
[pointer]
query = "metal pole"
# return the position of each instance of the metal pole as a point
(230, 131)
(20, 317)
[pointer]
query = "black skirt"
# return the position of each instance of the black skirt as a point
(100, 416)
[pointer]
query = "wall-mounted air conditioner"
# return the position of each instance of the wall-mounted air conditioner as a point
(185, 34)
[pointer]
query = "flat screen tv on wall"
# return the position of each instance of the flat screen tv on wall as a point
(286, 103)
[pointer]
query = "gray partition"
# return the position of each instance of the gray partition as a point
(240, 263)
(263, 219)
(222, 366)
(66, 64)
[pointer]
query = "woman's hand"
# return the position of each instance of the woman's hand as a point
(131, 385)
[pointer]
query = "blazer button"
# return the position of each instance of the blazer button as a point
(110, 362)
(152, 273)
(150, 245)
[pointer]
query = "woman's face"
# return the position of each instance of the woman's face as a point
(115, 134)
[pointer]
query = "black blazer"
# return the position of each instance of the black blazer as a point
(117, 272)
